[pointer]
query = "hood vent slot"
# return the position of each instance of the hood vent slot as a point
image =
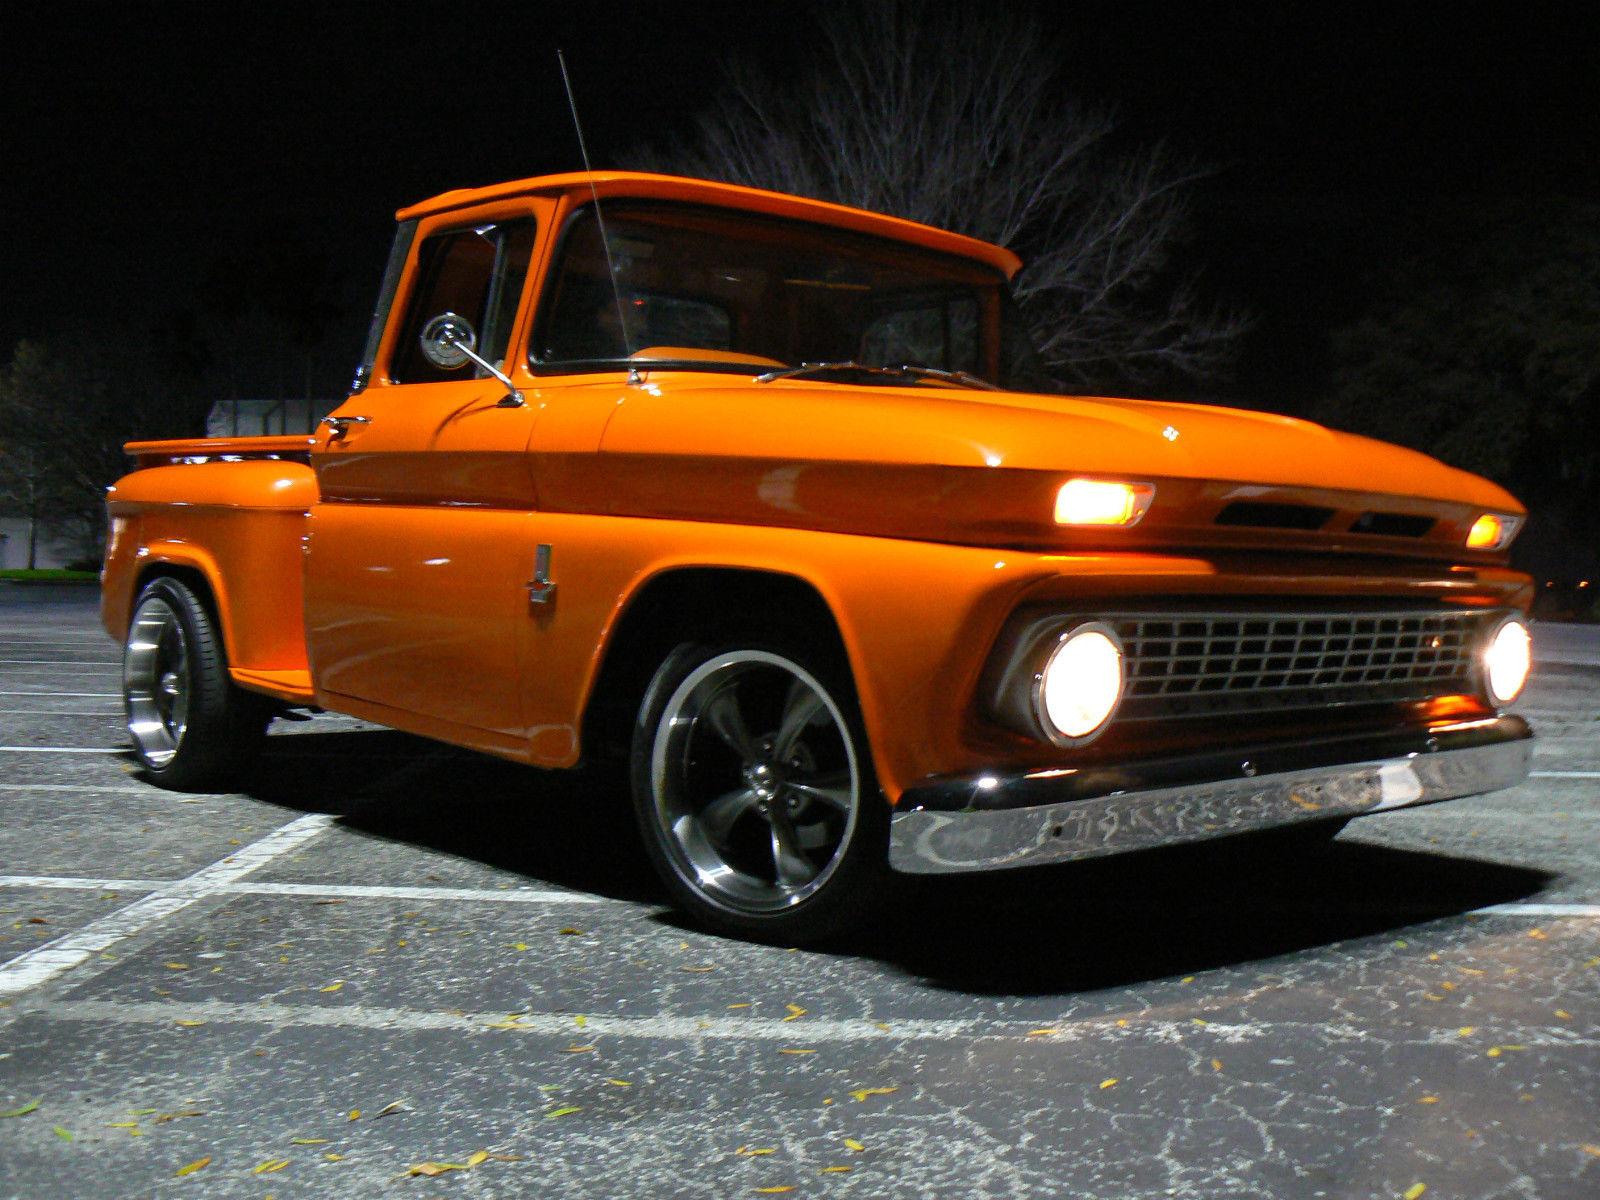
(1274, 516)
(1392, 524)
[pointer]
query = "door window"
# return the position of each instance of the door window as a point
(476, 273)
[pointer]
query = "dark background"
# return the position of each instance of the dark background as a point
(156, 154)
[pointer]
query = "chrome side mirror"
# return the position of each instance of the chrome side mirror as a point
(448, 341)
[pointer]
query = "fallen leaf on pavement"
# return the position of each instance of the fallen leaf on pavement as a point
(64, 1134)
(394, 1107)
(795, 1012)
(21, 1112)
(270, 1166)
(577, 1049)
(1105, 1083)
(562, 1112)
(430, 1169)
(1415, 1190)
(332, 987)
(1048, 1031)
(619, 1083)
(770, 1191)
(571, 932)
(355, 1114)
(836, 1170)
(189, 1024)
(862, 1093)
(199, 1164)
(852, 1144)
(308, 1141)
(1588, 1149)
(746, 1004)
(795, 1050)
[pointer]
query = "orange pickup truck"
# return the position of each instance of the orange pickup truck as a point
(762, 496)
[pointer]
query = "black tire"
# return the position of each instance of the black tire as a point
(754, 790)
(192, 729)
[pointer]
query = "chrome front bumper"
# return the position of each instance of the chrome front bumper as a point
(990, 822)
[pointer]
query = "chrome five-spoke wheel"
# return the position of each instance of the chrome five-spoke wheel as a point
(190, 726)
(155, 679)
(754, 786)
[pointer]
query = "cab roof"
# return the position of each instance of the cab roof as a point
(638, 185)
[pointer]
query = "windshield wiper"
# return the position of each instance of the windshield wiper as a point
(904, 371)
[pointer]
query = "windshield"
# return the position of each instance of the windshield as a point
(707, 288)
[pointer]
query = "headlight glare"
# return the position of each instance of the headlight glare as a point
(1102, 502)
(1081, 683)
(1493, 531)
(1507, 660)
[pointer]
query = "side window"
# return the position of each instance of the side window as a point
(942, 335)
(476, 273)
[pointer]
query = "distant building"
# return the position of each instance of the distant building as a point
(254, 418)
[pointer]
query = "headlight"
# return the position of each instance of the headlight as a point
(1102, 502)
(1080, 685)
(1507, 660)
(1492, 531)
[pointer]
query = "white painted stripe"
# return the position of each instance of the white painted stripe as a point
(60, 750)
(339, 890)
(56, 957)
(82, 883)
(85, 695)
(366, 892)
(1539, 910)
(48, 712)
(108, 664)
(807, 1033)
(1565, 774)
(85, 787)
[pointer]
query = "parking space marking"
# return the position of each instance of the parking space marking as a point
(86, 883)
(812, 1032)
(1565, 774)
(61, 750)
(46, 712)
(105, 664)
(343, 891)
(82, 695)
(62, 954)
(87, 787)
(1535, 909)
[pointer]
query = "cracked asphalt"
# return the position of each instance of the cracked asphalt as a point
(388, 955)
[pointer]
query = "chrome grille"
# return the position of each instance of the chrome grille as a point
(1203, 664)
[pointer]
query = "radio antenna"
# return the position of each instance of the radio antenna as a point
(605, 242)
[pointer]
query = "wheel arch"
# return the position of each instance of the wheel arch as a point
(687, 603)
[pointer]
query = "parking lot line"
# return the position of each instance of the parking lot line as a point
(84, 882)
(85, 695)
(62, 954)
(62, 750)
(344, 891)
(1565, 774)
(105, 664)
(86, 787)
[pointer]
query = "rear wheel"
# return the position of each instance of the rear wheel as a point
(755, 793)
(192, 729)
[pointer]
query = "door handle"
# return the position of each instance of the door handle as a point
(339, 426)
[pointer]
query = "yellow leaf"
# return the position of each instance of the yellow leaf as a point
(1448, 986)
(1592, 1150)
(355, 1114)
(1216, 1064)
(519, 945)
(577, 1049)
(176, 966)
(755, 1151)
(1466, 1031)
(1496, 1051)
(562, 1112)
(1431, 996)
(1187, 979)
(701, 970)
(852, 1144)
(862, 1093)
(1105, 1083)
(791, 1050)
(270, 1166)
(1401, 943)
(476, 1157)
(836, 1170)
(1428, 1100)
(430, 1169)
(880, 1025)
(772, 1191)
(1045, 1032)
(795, 1012)
(188, 1024)
(122, 1124)
(1472, 971)
(1415, 1190)
(198, 1164)
(1563, 1014)
(746, 1004)
(308, 1141)
(580, 1021)
(332, 987)
(332, 1157)
(571, 932)
(1538, 935)
(392, 1107)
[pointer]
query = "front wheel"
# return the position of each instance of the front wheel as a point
(755, 793)
(192, 729)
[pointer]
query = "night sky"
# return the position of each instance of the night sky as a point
(143, 143)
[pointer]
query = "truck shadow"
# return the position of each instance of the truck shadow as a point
(1097, 924)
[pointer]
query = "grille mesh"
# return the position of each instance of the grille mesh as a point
(1200, 664)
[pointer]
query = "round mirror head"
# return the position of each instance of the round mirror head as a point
(443, 338)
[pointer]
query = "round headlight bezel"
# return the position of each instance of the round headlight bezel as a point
(1041, 710)
(1486, 671)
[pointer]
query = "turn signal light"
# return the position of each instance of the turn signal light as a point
(1493, 532)
(1101, 502)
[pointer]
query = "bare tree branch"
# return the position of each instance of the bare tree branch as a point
(956, 116)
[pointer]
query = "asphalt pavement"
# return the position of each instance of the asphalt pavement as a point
(391, 968)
